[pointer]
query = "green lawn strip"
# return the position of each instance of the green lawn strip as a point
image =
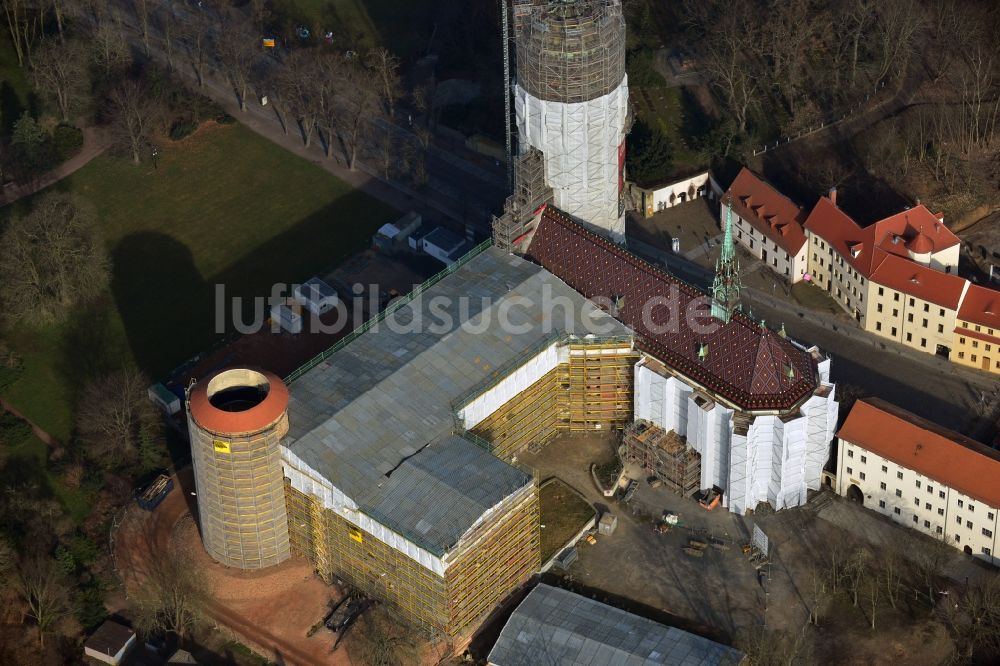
(563, 513)
(224, 206)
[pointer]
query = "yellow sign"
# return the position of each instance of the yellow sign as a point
(221, 446)
(268, 43)
(356, 534)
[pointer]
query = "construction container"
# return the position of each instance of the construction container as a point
(607, 524)
(155, 493)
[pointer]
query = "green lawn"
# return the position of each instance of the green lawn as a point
(563, 513)
(813, 297)
(663, 107)
(403, 27)
(224, 206)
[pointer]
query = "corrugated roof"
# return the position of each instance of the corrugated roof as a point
(376, 418)
(746, 363)
(981, 305)
(769, 211)
(554, 626)
(925, 447)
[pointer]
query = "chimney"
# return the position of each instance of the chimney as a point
(833, 195)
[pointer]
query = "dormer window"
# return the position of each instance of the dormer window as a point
(702, 351)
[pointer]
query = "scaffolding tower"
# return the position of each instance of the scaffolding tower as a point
(521, 208)
(664, 454)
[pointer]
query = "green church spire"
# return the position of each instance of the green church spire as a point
(726, 286)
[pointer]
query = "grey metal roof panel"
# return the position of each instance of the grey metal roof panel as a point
(357, 417)
(557, 626)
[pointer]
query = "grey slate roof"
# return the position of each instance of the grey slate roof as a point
(553, 626)
(376, 418)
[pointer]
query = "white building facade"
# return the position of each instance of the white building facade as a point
(753, 457)
(926, 502)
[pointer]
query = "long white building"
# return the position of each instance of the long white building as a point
(921, 475)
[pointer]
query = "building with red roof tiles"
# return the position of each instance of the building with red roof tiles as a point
(896, 277)
(758, 408)
(977, 330)
(768, 224)
(921, 475)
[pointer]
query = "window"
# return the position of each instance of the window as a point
(923, 342)
(975, 344)
(864, 459)
(850, 453)
(972, 508)
(895, 312)
(899, 493)
(895, 297)
(924, 324)
(961, 354)
(927, 523)
(940, 511)
(941, 494)
(896, 510)
(879, 307)
(940, 328)
(927, 307)
(930, 489)
(973, 357)
(939, 530)
(968, 524)
(958, 539)
(862, 475)
(961, 340)
(918, 483)
(987, 533)
(915, 519)
(893, 331)
(986, 551)
(909, 317)
(958, 519)
(989, 515)
(911, 302)
(909, 337)
(878, 325)
(927, 506)
(881, 291)
(941, 312)
(899, 475)
(884, 469)
(850, 471)
(882, 485)
(916, 501)
(881, 504)
(960, 504)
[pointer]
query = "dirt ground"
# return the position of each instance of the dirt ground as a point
(722, 594)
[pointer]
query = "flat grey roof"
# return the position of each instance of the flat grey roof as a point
(376, 418)
(553, 626)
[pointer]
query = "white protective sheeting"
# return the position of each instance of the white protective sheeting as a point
(580, 143)
(512, 385)
(777, 461)
(306, 480)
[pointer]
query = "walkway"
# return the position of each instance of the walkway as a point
(95, 142)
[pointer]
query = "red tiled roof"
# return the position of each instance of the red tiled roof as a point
(747, 364)
(842, 233)
(981, 306)
(768, 211)
(979, 335)
(260, 416)
(915, 443)
(919, 281)
(915, 222)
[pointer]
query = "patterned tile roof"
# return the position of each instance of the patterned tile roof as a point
(741, 361)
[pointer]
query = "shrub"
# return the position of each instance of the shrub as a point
(68, 141)
(181, 129)
(225, 119)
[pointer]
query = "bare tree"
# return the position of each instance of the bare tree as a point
(137, 112)
(929, 563)
(108, 47)
(329, 86)
(142, 15)
(166, 21)
(817, 596)
(872, 591)
(383, 641)
(855, 573)
(196, 38)
(385, 66)
(295, 84)
(24, 25)
(895, 32)
(893, 566)
(41, 584)
(51, 259)
(358, 109)
(172, 596)
(236, 49)
(975, 620)
(112, 417)
(60, 71)
(728, 40)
